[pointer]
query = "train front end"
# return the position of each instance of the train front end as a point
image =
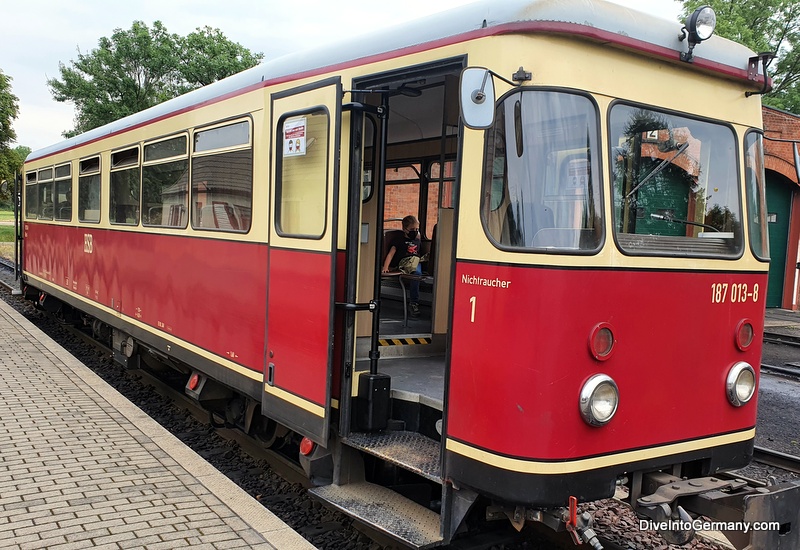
(610, 292)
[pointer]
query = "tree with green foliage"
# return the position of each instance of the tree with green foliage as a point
(9, 162)
(9, 110)
(207, 56)
(764, 26)
(137, 68)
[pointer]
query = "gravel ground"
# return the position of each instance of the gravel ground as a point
(327, 529)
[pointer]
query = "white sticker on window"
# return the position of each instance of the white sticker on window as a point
(294, 137)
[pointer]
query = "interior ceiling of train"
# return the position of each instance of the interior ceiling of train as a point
(415, 110)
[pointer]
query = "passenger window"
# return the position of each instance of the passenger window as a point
(89, 190)
(31, 196)
(403, 190)
(447, 182)
(123, 205)
(45, 194)
(222, 178)
(63, 193)
(165, 183)
(302, 175)
(755, 189)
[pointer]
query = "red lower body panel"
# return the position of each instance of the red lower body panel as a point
(209, 292)
(520, 355)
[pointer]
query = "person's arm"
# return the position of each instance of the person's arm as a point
(388, 259)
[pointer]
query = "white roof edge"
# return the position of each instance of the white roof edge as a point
(597, 14)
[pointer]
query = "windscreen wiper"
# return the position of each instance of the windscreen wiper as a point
(685, 222)
(658, 169)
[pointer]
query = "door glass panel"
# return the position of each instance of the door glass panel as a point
(302, 179)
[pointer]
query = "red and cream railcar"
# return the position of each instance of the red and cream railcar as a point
(590, 196)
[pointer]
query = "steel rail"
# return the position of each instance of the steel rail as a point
(776, 338)
(770, 457)
(787, 370)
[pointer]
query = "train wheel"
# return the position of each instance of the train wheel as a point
(264, 430)
(101, 331)
(235, 411)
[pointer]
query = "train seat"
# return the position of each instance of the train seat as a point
(398, 278)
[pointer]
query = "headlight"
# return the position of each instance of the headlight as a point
(599, 400)
(701, 24)
(741, 384)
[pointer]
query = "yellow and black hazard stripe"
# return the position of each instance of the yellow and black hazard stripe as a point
(403, 341)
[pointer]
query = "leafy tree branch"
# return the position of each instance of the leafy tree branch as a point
(143, 66)
(764, 26)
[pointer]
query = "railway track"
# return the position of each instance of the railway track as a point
(777, 338)
(788, 369)
(777, 459)
(8, 264)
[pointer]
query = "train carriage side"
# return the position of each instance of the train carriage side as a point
(126, 246)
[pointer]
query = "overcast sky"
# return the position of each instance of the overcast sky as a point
(38, 34)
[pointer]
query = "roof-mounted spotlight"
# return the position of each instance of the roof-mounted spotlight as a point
(699, 26)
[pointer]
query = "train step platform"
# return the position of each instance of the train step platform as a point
(82, 467)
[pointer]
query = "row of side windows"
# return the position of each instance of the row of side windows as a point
(149, 183)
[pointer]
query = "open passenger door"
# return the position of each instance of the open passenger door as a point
(306, 127)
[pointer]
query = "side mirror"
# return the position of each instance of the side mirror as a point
(476, 98)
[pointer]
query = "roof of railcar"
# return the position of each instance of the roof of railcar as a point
(593, 19)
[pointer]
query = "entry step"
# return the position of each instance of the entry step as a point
(385, 511)
(409, 450)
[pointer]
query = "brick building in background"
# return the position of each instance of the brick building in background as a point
(783, 207)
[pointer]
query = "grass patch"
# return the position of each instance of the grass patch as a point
(7, 251)
(6, 233)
